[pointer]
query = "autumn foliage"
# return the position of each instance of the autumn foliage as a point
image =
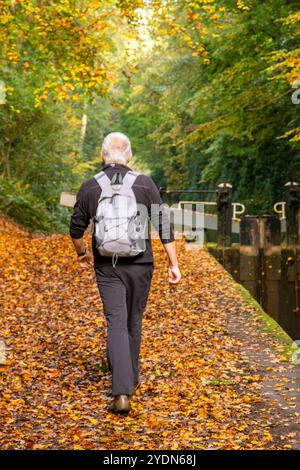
(206, 90)
(199, 388)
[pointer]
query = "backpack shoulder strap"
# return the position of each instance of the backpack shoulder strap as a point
(104, 183)
(130, 178)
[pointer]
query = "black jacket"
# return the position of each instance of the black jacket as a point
(145, 192)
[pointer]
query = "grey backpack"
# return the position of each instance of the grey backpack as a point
(118, 226)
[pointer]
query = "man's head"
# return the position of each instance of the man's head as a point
(116, 148)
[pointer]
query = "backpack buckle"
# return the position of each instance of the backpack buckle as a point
(117, 179)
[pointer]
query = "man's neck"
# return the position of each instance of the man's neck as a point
(115, 165)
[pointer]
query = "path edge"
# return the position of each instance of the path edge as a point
(269, 325)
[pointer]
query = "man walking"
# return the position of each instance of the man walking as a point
(123, 260)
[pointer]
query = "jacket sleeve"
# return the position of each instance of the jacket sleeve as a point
(159, 215)
(80, 218)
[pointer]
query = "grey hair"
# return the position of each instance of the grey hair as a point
(116, 148)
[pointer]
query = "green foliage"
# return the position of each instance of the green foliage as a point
(197, 124)
(204, 95)
(40, 154)
(19, 203)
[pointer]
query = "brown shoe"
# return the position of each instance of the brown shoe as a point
(120, 404)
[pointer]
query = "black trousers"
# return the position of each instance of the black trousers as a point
(124, 291)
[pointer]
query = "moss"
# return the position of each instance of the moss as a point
(269, 325)
(214, 246)
(211, 246)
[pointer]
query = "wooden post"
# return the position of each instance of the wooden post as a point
(290, 264)
(289, 291)
(249, 254)
(224, 208)
(270, 244)
(292, 198)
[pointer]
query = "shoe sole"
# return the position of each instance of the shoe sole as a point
(120, 412)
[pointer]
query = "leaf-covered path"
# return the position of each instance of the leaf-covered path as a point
(211, 376)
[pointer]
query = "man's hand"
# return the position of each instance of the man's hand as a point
(174, 274)
(173, 271)
(85, 260)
